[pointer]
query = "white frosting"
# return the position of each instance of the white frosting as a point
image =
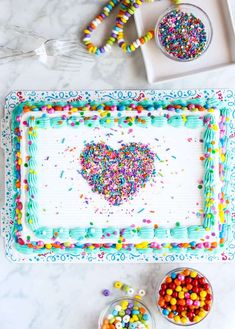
(66, 200)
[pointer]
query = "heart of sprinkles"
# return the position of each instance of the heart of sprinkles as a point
(118, 175)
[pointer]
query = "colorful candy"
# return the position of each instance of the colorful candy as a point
(127, 9)
(118, 284)
(117, 175)
(185, 296)
(182, 35)
(128, 313)
(106, 292)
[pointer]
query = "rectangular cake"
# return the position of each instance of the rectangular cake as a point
(121, 176)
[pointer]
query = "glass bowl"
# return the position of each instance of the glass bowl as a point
(107, 315)
(195, 304)
(171, 49)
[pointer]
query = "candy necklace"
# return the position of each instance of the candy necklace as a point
(127, 9)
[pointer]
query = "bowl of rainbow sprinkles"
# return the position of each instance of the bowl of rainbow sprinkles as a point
(183, 32)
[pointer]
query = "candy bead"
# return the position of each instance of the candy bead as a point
(118, 284)
(203, 293)
(193, 274)
(169, 291)
(165, 312)
(126, 318)
(142, 292)
(130, 291)
(118, 308)
(181, 277)
(193, 296)
(189, 302)
(173, 301)
(106, 292)
(181, 295)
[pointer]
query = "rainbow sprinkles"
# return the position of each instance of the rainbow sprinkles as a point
(121, 176)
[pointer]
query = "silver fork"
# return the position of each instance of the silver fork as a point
(55, 54)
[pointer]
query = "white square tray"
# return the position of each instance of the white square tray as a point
(220, 54)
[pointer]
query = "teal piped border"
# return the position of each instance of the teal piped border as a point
(126, 104)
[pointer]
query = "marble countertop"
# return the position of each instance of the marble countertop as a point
(69, 295)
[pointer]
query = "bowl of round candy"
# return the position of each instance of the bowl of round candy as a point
(185, 296)
(128, 313)
(183, 32)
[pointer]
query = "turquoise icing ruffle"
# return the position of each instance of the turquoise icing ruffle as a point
(161, 104)
(44, 232)
(128, 233)
(127, 102)
(75, 121)
(139, 121)
(225, 112)
(123, 122)
(32, 206)
(43, 122)
(32, 149)
(161, 233)
(145, 103)
(208, 221)
(193, 122)
(94, 233)
(33, 192)
(32, 164)
(32, 136)
(210, 118)
(181, 102)
(107, 122)
(33, 218)
(58, 122)
(176, 121)
(32, 121)
(77, 233)
(159, 121)
(209, 135)
(61, 233)
(208, 164)
(179, 232)
(112, 103)
(209, 178)
(213, 103)
(91, 121)
(32, 178)
(196, 232)
(24, 249)
(111, 232)
(195, 101)
(146, 233)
